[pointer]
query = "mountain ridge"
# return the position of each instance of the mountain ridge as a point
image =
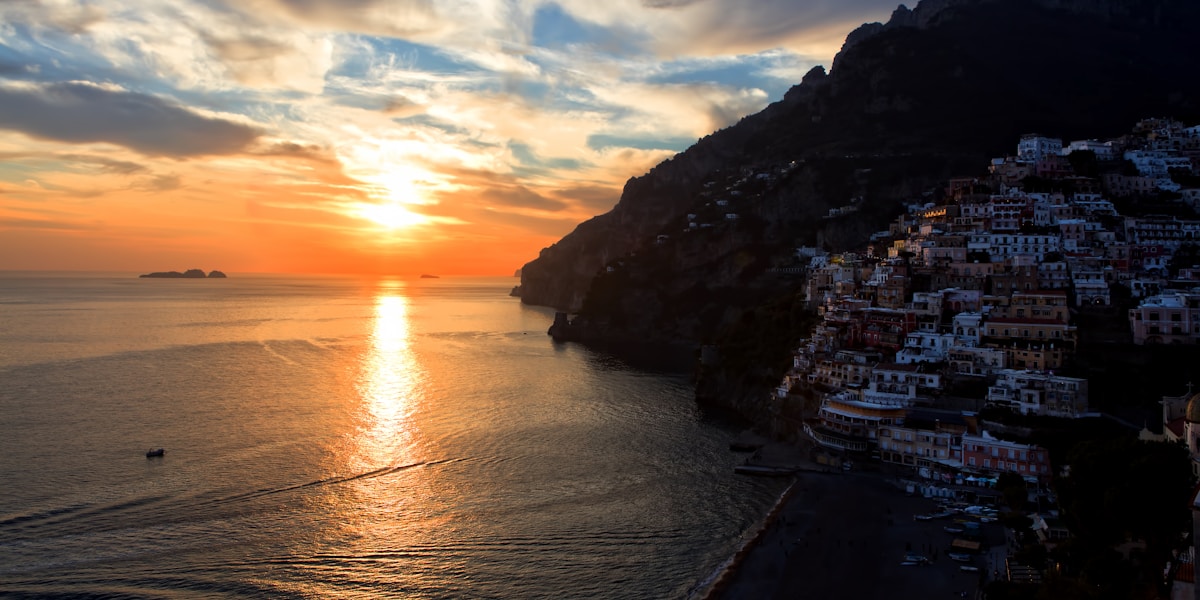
(932, 93)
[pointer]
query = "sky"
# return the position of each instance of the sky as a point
(456, 137)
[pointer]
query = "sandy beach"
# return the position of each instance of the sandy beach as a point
(845, 535)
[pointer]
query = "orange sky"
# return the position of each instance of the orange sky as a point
(377, 137)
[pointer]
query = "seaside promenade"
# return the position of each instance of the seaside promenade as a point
(845, 535)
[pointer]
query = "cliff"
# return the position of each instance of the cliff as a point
(700, 248)
(953, 79)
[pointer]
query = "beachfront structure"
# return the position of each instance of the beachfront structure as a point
(924, 440)
(986, 454)
(847, 424)
(1167, 319)
(1039, 393)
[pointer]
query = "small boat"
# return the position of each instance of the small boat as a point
(155, 452)
(969, 568)
(953, 529)
(960, 557)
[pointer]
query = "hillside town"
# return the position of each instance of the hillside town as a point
(966, 308)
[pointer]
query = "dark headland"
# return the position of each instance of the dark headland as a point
(189, 274)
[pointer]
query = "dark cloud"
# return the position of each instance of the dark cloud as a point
(108, 165)
(43, 224)
(667, 3)
(295, 150)
(162, 183)
(248, 48)
(101, 163)
(523, 197)
(10, 68)
(402, 107)
(83, 113)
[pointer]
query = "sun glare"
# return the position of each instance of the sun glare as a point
(392, 215)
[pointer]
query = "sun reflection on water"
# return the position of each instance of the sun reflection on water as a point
(390, 384)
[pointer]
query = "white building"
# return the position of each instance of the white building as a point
(1167, 319)
(898, 385)
(1103, 150)
(1000, 246)
(921, 346)
(1039, 393)
(1033, 148)
(975, 361)
(968, 328)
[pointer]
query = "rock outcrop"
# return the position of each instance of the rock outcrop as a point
(189, 274)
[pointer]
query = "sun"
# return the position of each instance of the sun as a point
(392, 215)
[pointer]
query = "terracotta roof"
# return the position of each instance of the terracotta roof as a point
(1186, 572)
(1176, 427)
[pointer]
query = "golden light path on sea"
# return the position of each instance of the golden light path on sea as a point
(390, 384)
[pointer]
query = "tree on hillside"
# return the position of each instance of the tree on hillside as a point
(1013, 489)
(1126, 489)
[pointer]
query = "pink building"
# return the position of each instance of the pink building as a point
(1172, 318)
(985, 454)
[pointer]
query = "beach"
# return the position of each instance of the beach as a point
(842, 534)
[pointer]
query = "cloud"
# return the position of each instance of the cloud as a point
(294, 150)
(161, 183)
(522, 197)
(718, 27)
(273, 59)
(43, 224)
(78, 112)
(593, 198)
(399, 18)
(69, 17)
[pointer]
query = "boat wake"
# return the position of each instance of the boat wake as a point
(151, 509)
(381, 472)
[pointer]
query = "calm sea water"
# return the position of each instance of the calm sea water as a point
(342, 438)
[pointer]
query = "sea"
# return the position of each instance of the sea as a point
(336, 437)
